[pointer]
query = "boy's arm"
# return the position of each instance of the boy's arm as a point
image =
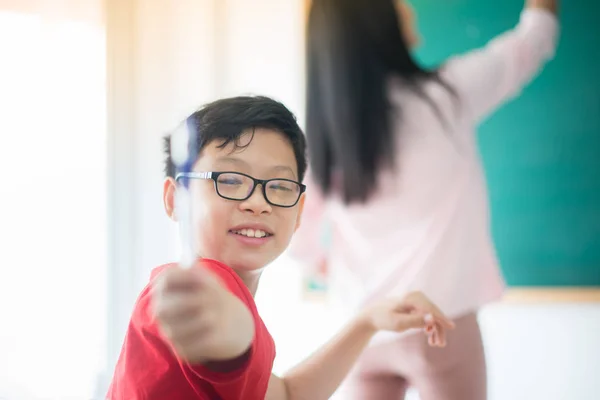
(319, 376)
(203, 321)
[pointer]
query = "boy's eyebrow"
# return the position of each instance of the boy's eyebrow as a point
(284, 168)
(239, 162)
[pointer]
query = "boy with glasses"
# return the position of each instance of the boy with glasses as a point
(196, 333)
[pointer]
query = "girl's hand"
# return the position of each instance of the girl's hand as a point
(412, 311)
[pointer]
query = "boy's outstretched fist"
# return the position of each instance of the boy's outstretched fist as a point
(203, 321)
(414, 310)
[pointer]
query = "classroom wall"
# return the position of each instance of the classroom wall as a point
(542, 351)
(535, 351)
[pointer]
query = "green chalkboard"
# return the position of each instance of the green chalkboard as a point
(541, 152)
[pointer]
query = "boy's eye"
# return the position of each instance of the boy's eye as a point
(229, 180)
(282, 186)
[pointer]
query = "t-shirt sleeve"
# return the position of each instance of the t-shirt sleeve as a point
(149, 368)
(236, 369)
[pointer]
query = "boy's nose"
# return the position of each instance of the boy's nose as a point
(256, 203)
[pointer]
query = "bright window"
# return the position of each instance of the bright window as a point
(53, 202)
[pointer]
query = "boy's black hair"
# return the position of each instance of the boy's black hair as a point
(227, 119)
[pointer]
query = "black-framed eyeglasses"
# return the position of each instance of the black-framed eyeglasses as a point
(238, 186)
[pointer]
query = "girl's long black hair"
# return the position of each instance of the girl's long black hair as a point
(353, 47)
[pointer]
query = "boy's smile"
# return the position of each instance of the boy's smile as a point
(252, 234)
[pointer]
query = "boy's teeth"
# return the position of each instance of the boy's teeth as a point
(257, 233)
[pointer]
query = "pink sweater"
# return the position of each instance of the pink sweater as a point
(427, 227)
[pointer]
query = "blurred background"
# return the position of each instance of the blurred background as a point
(88, 88)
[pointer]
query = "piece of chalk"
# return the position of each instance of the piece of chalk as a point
(180, 142)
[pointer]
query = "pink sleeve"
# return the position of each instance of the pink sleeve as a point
(485, 78)
(307, 245)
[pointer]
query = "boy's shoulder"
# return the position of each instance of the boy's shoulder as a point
(216, 266)
(225, 273)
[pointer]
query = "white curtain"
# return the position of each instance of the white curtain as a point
(53, 198)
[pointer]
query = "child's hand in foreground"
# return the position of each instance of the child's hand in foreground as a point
(202, 320)
(412, 311)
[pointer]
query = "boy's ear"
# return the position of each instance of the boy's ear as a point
(300, 210)
(169, 188)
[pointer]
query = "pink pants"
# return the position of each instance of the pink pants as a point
(456, 372)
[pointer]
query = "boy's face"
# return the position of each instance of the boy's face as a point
(220, 221)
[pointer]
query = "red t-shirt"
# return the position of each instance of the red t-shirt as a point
(149, 370)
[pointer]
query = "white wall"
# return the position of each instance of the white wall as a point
(544, 351)
(262, 47)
